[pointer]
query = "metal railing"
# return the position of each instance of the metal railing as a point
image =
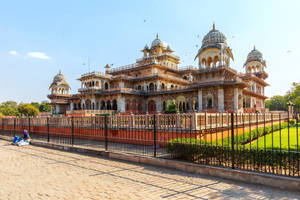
(267, 143)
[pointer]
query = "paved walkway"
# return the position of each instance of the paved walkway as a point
(31, 172)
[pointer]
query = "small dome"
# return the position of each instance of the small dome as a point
(157, 42)
(59, 80)
(213, 38)
(255, 55)
(146, 47)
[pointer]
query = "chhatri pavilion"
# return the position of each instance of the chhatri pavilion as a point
(155, 81)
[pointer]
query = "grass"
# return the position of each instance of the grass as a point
(266, 141)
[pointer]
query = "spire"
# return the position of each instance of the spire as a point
(254, 48)
(214, 26)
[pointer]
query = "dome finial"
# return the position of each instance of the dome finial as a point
(59, 72)
(254, 48)
(214, 26)
(156, 35)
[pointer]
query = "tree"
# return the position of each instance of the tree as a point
(276, 103)
(28, 110)
(11, 104)
(294, 95)
(36, 104)
(8, 111)
(45, 107)
(1, 115)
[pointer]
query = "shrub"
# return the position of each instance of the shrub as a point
(171, 109)
(194, 150)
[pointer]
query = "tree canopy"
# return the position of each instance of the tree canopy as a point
(28, 110)
(12, 108)
(278, 102)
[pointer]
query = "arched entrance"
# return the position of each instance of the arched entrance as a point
(151, 106)
(115, 105)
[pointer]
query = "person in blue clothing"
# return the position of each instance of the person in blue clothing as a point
(25, 135)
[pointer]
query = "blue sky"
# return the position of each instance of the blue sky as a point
(39, 38)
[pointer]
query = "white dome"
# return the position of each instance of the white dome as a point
(157, 42)
(59, 80)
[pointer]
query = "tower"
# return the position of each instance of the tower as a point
(214, 51)
(255, 62)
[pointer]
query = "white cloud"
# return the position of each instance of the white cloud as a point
(13, 52)
(39, 55)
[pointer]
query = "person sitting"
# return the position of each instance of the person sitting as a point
(25, 135)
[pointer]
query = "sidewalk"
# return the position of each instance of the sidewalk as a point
(32, 172)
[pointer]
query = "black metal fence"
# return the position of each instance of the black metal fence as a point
(254, 142)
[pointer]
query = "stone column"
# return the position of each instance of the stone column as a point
(57, 109)
(121, 104)
(236, 99)
(199, 100)
(121, 84)
(145, 86)
(251, 104)
(158, 106)
(71, 106)
(158, 85)
(221, 100)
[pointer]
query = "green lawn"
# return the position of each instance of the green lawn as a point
(276, 140)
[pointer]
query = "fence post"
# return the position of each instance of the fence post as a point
(154, 134)
(232, 139)
(2, 125)
(72, 124)
(14, 127)
(105, 132)
(29, 125)
(48, 128)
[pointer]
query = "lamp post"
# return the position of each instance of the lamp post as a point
(290, 108)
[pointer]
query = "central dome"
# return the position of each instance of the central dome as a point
(157, 42)
(213, 37)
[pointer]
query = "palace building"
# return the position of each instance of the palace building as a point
(156, 80)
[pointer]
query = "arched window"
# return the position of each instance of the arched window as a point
(127, 107)
(184, 77)
(164, 105)
(151, 87)
(151, 106)
(209, 102)
(97, 105)
(172, 86)
(133, 106)
(106, 86)
(103, 105)
(108, 105)
(162, 86)
(88, 104)
(115, 105)
(93, 106)
(139, 87)
(209, 62)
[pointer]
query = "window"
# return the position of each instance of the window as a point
(106, 86)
